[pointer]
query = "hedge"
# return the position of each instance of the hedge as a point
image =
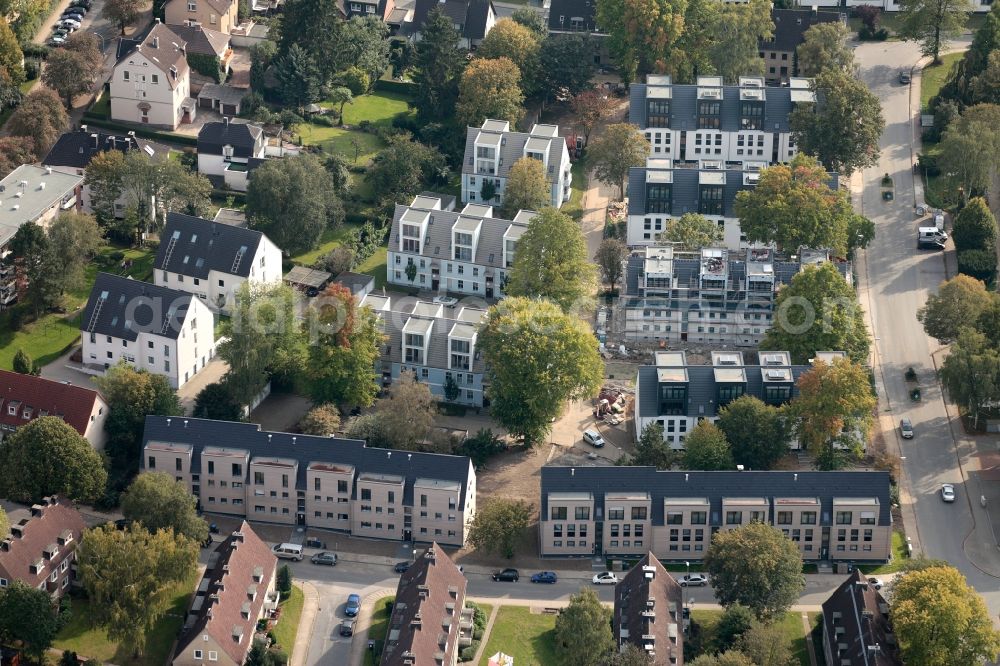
(401, 87)
(144, 132)
(205, 64)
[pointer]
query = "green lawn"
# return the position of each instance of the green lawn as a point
(530, 639)
(378, 108)
(102, 107)
(898, 555)
(816, 622)
(790, 623)
(340, 140)
(375, 266)
(574, 207)
(934, 77)
(379, 626)
(288, 623)
(330, 239)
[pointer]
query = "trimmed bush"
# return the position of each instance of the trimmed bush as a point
(401, 87)
(980, 264)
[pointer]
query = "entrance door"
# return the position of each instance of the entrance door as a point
(300, 518)
(407, 535)
(598, 538)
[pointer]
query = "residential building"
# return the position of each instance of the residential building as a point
(707, 120)
(151, 82)
(780, 55)
(435, 342)
(211, 260)
(208, 51)
(40, 549)
(491, 150)
(631, 511)
(649, 613)
(323, 482)
(24, 398)
(228, 151)
(220, 15)
(237, 589)
(379, 8)
(148, 326)
(579, 16)
(473, 19)
(857, 630)
(359, 284)
(892, 5)
(468, 252)
(429, 624)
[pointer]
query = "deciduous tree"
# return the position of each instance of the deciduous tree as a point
(532, 20)
(262, 54)
(757, 432)
(104, 177)
(4, 521)
(959, 302)
(122, 12)
(160, 502)
(499, 525)
(490, 89)
(526, 188)
(15, 151)
(692, 231)
(706, 448)
(632, 655)
(362, 44)
(652, 449)
(729, 658)
(567, 62)
(765, 645)
(31, 250)
(40, 117)
(971, 372)
(74, 69)
(404, 168)
(340, 96)
(825, 47)
(439, 63)
(583, 630)
(643, 33)
(969, 148)
(75, 239)
(975, 228)
(216, 402)
(619, 148)
(739, 28)
(407, 413)
(314, 25)
(736, 620)
(11, 57)
(509, 39)
(933, 23)
(482, 446)
(322, 420)
(591, 106)
(26, 614)
(610, 260)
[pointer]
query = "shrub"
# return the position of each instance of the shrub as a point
(116, 256)
(279, 657)
(32, 50)
(980, 264)
(469, 653)
(32, 69)
(285, 580)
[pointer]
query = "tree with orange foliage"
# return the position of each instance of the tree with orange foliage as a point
(643, 33)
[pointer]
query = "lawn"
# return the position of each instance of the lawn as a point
(288, 623)
(934, 77)
(378, 627)
(375, 266)
(816, 622)
(574, 207)
(379, 108)
(340, 140)
(790, 623)
(529, 638)
(898, 556)
(331, 238)
(102, 107)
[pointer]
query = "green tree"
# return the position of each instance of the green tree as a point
(738, 31)
(73, 69)
(590, 107)
(41, 117)
(632, 655)
(642, 33)
(314, 25)
(31, 249)
(14, 151)
(610, 260)
(532, 20)
(259, 655)
(216, 402)
(766, 645)
(104, 177)
(129, 576)
(499, 525)
(284, 583)
(74, 239)
(975, 228)
(322, 420)
(692, 231)
(262, 55)
(706, 448)
(957, 303)
(969, 148)
(844, 128)
(756, 566)
(11, 57)
(490, 89)
(299, 78)
(566, 61)
(26, 614)
(980, 264)
(619, 148)
(730, 658)
(537, 358)
(407, 413)
(757, 432)
(4, 522)
(451, 388)
(940, 620)
(971, 372)
(23, 364)
(736, 620)
(933, 23)
(583, 630)
(438, 63)
(694, 48)
(825, 47)
(551, 262)
(509, 39)
(340, 96)
(160, 502)
(481, 447)
(362, 44)
(652, 449)
(526, 188)
(48, 457)
(122, 12)
(404, 168)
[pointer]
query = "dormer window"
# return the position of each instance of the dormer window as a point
(27, 413)
(411, 238)
(463, 246)
(413, 348)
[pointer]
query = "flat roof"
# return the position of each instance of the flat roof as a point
(730, 375)
(438, 484)
(466, 224)
(27, 192)
(571, 496)
(744, 500)
(664, 375)
(626, 496)
(380, 478)
(669, 358)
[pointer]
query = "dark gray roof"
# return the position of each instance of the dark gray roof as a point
(125, 307)
(512, 149)
(790, 26)
(199, 433)
(203, 41)
(76, 149)
(243, 137)
(687, 272)
(562, 12)
(225, 94)
(469, 15)
(714, 486)
(203, 245)
(684, 107)
(356, 282)
(649, 580)
(850, 600)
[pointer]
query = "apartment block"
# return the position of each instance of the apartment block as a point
(24, 398)
(40, 549)
(491, 150)
(323, 482)
(649, 614)
(468, 252)
(632, 511)
(979, 6)
(780, 53)
(857, 630)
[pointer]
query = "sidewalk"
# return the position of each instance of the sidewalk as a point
(300, 650)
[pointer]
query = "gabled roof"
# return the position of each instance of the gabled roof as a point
(220, 6)
(194, 246)
(648, 603)
(563, 12)
(790, 26)
(51, 521)
(511, 147)
(855, 619)
(76, 149)
(471, 16)
(122, 307)
(243, 137)
(45, 397)
(163, 48)
(203, 41)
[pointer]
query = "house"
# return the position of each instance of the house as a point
(429, 624)
(580, 16)
(328, 483)
(237, 589)
(148, 326)
(220, 15)
(229, 150)
(436, 342)
(467, 252)
(856, 626)
(24, 398)
(631, 511)
(892, 5)
(212, 261)
(380, 8)
(151, 82)
(208, 51)
(472, 18)
(41, 547)
(492, 149)
(780, 56)
(648, 612)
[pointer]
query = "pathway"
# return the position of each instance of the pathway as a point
(486, 634)
(300, 649)
(807, 628)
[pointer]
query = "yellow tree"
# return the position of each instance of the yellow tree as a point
(490, 88)
(509, 39)
(642, 32)
(526, 188)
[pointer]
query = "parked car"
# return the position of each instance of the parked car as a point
(81, 3)
(353, 606)
(75, 12)
(904, 76)
(315, 543)
(70, 24)
(329, 559)
(906, 429)
(692, 580)
(876, 583)
(402, 567)
(288, 551)
(544, 577)
(506, 576)
(447, 301)
(593, 438)
(605, 578)
(947, 492)
(347, 628)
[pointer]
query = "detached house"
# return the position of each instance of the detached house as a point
(473, 19)
(24, 398)
(648, 612)
(208, 50)
(220, 15)
(151, 83)
(228, 151)
(41, 547)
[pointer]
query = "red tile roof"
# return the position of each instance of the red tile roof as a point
(74, 404)
(648, 603)
(45, 527)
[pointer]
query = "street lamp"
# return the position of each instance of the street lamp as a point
(414, 555)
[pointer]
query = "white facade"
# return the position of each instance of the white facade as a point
(220, 287)
(152, 85)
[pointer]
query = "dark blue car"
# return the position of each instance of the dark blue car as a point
(353, 605)
(544, 577)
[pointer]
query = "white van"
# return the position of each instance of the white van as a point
(288, 551)
(931, 237)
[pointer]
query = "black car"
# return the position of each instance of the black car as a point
(74, 13)
(506, 576)
(401, 567)
(347, 628)
(121, 524)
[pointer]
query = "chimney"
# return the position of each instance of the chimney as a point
(83, 128)
(795, 477)
(5, 545)
(37, 510)
(294, 439)
(156, 40)
(185, 423)
(572, 471)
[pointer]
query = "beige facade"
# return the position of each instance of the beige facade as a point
(219, 15)
(565, 510)
(627, 522)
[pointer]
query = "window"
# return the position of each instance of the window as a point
(557, 513)
(366, 494)
(198, 654)
(734, 517)
(616, 513)
(213, 656)
(582, 513)
(708, 114)
(698, 517)
(156, 79)
(341, 486)
(784, 517)
(258, 478)
(658, 113)
(658, 198)
(423, 500)
(844, 517)
(675, 518)
(807, 518)
(867, 517)
(152, 463)
(710, 200)
(237, 471)
(125, 75)
(756, 516)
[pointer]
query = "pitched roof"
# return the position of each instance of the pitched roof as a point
(220, 6)
(511, 146)
(124, 307)
(471, 16)
(224, 93)
(790, 26)
(28, 191)
(426, 612)
(231, 594)
(202, 40)
(162, 47)
(648, 603)
(573, 16)
(45, 397)
(76, 149)
(47, 525)
(856, 618)
(243, 137)
(194, 246)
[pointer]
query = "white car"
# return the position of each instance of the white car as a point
(593, 438)
(876, 583)
(71, 24)
(692, 580)
(447, 301)
(947, 492)
(605, 578)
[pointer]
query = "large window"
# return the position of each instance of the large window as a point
(708, 114)
(844, 517)
(728, 393)
(557, 513)
(638, 513)
(675, 518)
(658, 113)
(658, 198)
(582, 513)
(710, 200)
(699, 517)
(807, 518)
(751, 115)
(777, 395)
(460, 354)
(616, 513)
(734, 517)
(463, 246)
(414, 349)
(784, 517)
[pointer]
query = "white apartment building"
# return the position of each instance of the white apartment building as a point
(151, 82)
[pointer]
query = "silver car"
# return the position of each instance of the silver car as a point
(947, 492)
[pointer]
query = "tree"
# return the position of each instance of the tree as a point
(939, 619)
(739, 28)
(968, 148)
(40, 117)
(766, 646)
(933, 23)
(130, 576)
(730, 658)
(834, 411)
(591, 106)
(292, 201)
(122, 12)
(481, 447)
(818, 310)
(619, 148)
(439, 63)
(407, 413)
(706, 448)
(159, 502)
(341, 96)
(179, 189)
(735, 621)
(980, 264)
(975, 228)
(362, 45)
(48, 457)
(843, 129)
(314, 25)
(551, 262)
(104, 176)
(74, 239)
(299, 78)
(825, 47)
(490, 89)
(527, 187)
(971, 373)
(15, 151)
(692, 231)
(757, 432)
(216, 402)
(958, 302)
(610, 260)
(532, 20)
(537, 359)
(566, 62)
(31, 250)
(11, 57)
(23, 364)
(284, 582)
(498, 525)
(643, 33)
(74, 69)
(4, 522)
(583, 630)
(756, 566)
(262, 54)
(509, 39)
(322, 420)
(26, 614)
(404, 168)
(259, 655)
(632, 655)
(652, 449)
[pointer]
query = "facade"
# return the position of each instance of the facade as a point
(779, 53)
(211, 260)
(323, 482)
(435, 342)
(473, 19)
(429, 624)
(41, 547)
(491, 150)
(237, 589)
(24, 398)
(219, 15)
(150, 327)
(467, 252)
(856, 626)
(893, 5)
(631, 511)
(580, 16)
(202, 42)
(227, 149)
(151, 82)
(649, 613)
